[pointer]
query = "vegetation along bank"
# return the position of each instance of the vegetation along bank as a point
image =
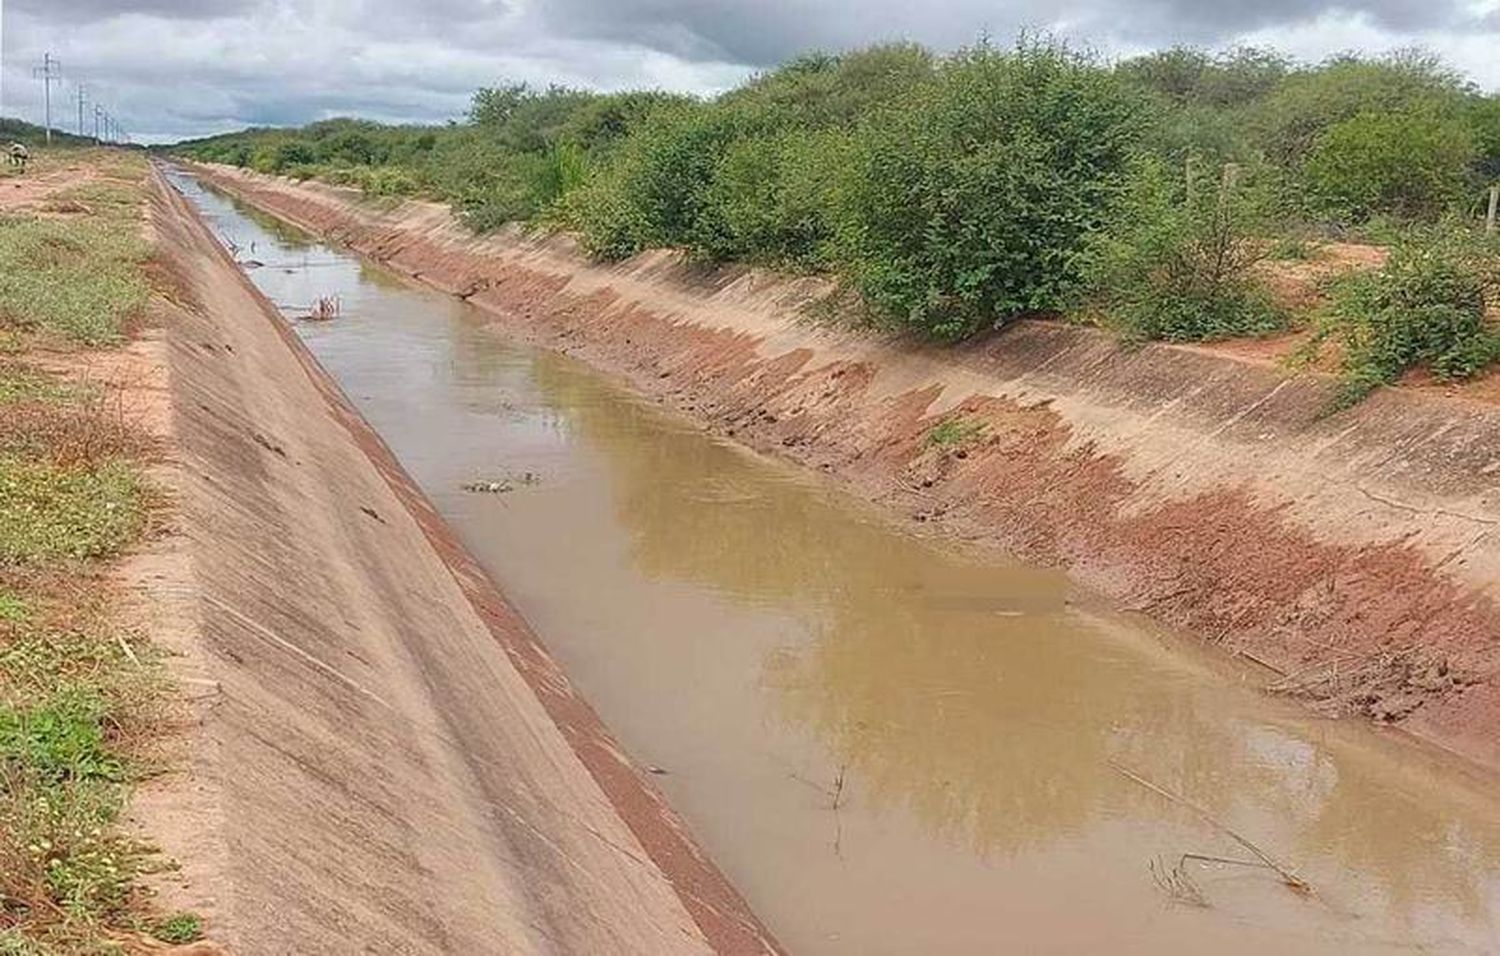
(1335, 209)
(90, 719)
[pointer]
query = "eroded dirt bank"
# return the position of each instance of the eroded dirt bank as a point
(1352, 556)
(393, 763)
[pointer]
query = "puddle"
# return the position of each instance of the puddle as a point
(890, 746)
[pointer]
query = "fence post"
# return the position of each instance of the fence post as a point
(1489, 220)
(1231, 177)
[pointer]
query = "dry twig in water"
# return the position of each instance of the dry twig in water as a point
(1292, 880)
(1176, 883)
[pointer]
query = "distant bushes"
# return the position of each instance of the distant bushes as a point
(955, 192)
(1408, 165)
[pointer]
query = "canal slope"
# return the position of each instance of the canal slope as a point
(1352, 556)
(392, 762)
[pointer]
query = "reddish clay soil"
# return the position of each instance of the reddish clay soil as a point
(1351, 555)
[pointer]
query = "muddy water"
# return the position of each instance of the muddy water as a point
(889, 745)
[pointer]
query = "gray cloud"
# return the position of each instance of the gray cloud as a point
(178, 67)
(93, 11)
(769, 32)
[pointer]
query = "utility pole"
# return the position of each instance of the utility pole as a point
(98, 118)
(83, 94)
(2, 57)
(49, 72)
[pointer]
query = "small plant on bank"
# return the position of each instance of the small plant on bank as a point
(179, 928)
(1426, 307)
(14, 610)
(954, 431)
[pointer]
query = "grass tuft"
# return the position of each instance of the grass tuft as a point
(179, 928)
(81, 280)
(954, 431)
(50, 513)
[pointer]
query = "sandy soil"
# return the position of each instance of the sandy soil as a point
(385, 759)
(1353, 553)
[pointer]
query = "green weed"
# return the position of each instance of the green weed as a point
(59, 741)
(50, 513)
(14, 609)
(13, 943)
(79, 279)
(179, 928)
(954, 431)
(111, 200)
(19, 383)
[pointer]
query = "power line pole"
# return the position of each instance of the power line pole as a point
(98, 118)
(83, 94)
(2, 58)
(49, 72)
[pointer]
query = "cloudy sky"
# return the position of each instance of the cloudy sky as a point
(173, 68)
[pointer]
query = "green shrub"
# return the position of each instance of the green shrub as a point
(818, 90)
(387, 181)
(561, 170)
(600, 123)
(1483, 117)
(292, 154)
(966, 204)
(1425, 307)
(1412, 165)
(657, 186)
(771, 200)
(1187, 75)
(1181, 267)
(520, 119)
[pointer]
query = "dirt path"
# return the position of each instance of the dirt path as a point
(1353, 556)
(395, 765)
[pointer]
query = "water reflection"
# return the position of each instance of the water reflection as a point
(980, 701)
